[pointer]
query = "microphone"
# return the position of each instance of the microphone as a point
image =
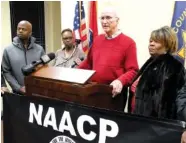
(75, 63)
(78, 41)
(28, 69)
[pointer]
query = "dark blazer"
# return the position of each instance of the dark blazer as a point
(156, 92)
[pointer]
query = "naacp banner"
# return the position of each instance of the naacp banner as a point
(30, 119)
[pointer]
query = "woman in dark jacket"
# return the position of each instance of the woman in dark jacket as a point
(160, 77)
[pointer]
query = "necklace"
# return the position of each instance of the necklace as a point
(67, 55)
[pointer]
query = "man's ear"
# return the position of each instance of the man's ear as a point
(117, 19)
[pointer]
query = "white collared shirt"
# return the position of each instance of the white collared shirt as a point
(114, 35)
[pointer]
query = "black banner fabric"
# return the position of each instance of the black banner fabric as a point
(41, 120)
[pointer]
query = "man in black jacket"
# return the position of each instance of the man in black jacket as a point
(181, 108)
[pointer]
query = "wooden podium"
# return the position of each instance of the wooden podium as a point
(47, 82)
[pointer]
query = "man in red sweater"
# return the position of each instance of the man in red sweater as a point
(113, 55)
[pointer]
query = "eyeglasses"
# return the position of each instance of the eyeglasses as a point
(66, 38)
(106, 18)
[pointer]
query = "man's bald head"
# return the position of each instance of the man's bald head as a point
(26, 23)
(109, 11)
(24, 29)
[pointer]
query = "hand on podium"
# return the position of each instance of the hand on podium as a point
(22, 90)
(4, 89)
(117, 87)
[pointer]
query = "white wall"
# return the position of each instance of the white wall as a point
(5, 26)
(137, 19)
(52, 25)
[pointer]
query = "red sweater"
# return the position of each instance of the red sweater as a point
(112, 59)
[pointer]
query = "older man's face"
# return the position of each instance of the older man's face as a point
(109, 22)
